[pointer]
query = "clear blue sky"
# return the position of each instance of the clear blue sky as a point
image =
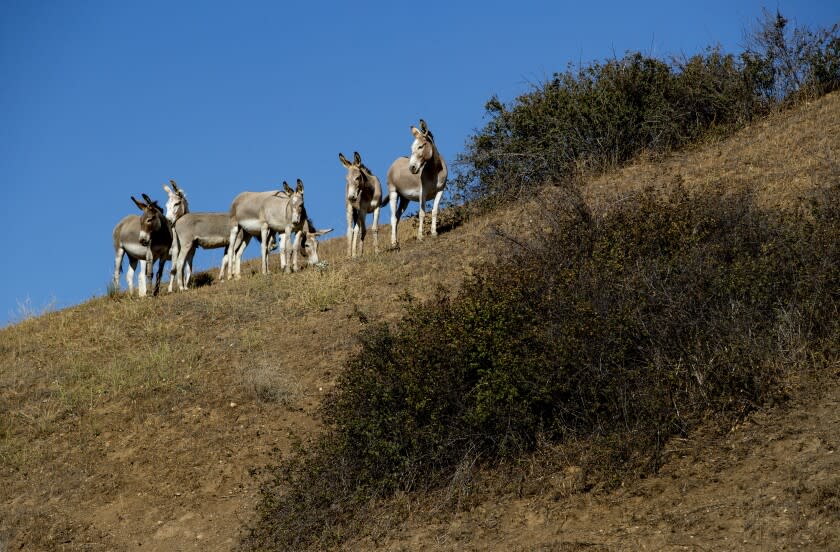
(100, 100)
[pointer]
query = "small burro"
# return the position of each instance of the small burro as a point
(362, 195)
(145, 238)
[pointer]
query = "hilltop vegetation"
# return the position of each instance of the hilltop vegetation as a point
(598, 117)
(613, 331)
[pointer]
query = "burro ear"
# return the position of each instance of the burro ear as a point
(175, 187)
(357, 159)
(287, 188)
(416, 133)
(141, 206)
(423, 128)
(299, 187)
(152, 204)
(167, 190)
(344, 160)
(319, 233)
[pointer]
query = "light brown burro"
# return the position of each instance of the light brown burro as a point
(261, 214)
(207, 230)
(417, 178)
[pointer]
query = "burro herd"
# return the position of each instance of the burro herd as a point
(275, 217)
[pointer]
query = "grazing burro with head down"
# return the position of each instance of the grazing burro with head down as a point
(146, 237)
(420, 177)
(362, 195)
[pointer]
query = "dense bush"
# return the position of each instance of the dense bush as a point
(624, 327)
(599, 117)
(602, 115)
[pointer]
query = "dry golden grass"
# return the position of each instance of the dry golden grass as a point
(131, 422)
(782, 159)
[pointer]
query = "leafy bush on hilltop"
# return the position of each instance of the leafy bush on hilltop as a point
(626, 326)
(601, 116)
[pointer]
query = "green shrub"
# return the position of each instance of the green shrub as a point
(602, 115)
(617, 329)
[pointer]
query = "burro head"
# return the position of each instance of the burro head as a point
(295, 200)
(150, 220)
(309, 243)
(355, 176)
(176, 204)
(422, 149)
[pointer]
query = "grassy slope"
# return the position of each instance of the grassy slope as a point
(136, 422)
(118, 427)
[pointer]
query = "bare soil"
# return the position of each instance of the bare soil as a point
(143, 424)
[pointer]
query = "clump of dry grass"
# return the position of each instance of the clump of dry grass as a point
(321, 288)
(269, 383)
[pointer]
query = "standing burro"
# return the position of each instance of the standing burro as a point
(362, 195)
(145, 238)
(263, 213)
(417, 178)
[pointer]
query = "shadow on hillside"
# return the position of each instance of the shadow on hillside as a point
(448, 219)
(202, 279)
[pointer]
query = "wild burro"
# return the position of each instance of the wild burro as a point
(208, 230)
(260, 214)
(362, 195)
(176, 202)
(145, 238)
(420, 177)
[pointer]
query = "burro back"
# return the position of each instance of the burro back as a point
(207, 230)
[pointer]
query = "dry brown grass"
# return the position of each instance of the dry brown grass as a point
(782, 159)
(128, 421)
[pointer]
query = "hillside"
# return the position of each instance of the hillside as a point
(144, 423)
